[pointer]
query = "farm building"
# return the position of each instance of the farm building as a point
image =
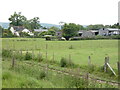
(86, 33)
(109, 31)
(40, 30)
(17, 29)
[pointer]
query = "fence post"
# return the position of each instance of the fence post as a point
(87, 79)
(89, 61)
(46, 59)
(105, 65)
(13, 60)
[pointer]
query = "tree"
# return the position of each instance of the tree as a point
(95, 27)
(51, 32)
(54, 28)
(32, 24)
(70, 30)
(17, 19)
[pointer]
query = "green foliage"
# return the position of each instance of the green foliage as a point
(70, 30)
(6, 53)
(17, 19)
(51, 32)
(7, 33)
(40, 58)
(42, 74)
(24, 34)
(66, 63)
(54, 28)
(6, 75)
(91, 68)
(32, 24)
(28, 56)
(95, 27)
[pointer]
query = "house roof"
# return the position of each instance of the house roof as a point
(18, 28)
(112, 29)
(40, 30)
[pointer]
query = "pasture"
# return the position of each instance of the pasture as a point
(78, 51)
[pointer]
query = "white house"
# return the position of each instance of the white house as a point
(17, 29)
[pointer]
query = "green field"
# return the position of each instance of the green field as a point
(27, 73)
(79, 53)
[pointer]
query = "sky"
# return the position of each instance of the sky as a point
(84, 12)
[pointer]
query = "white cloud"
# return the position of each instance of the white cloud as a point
(53, 11)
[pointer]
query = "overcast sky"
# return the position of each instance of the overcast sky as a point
(82, 12)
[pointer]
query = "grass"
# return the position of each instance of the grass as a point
(25, 75)
(80, 51)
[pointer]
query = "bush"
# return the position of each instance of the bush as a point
(42, 74)
(66, 63)
(28, 56)
(63, 62)
(91, 68)
(6, 53)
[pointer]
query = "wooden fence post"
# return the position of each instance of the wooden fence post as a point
(87, 79)
(89, 61)
(46, 58)
(105, 65)
(13, 60)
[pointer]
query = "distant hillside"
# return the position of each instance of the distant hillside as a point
(5, 25)
(47, 25)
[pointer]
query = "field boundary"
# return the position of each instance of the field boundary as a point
(75, 75)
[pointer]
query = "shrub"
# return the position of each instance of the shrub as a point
(91, 68)
(6, 53)
(28, 56)
(63, 62)
(66, 63)
(42, 74)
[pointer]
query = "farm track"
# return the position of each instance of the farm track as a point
(88, 77)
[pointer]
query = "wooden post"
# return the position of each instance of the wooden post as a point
(46, 58)
(89, 61)
(105, 65)
(87, 78)
(13, 60)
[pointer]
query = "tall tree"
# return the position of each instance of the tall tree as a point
(32, 23)
(17, 19)
(94, 27)
(70, 30)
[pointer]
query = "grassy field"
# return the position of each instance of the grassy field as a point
(78, 50)
(29, 74)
